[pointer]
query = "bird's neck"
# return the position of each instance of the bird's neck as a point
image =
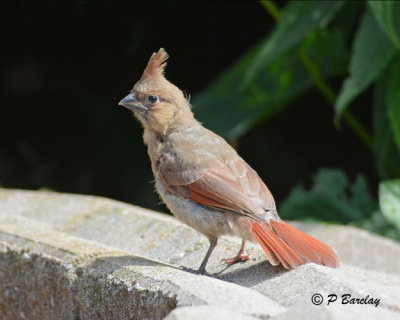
(156, 141)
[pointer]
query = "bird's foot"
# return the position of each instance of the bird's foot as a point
(239, 258)
(197, 272)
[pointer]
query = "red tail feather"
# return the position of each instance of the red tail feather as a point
(284, 244)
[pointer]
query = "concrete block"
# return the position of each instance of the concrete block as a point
(159, 236)
(130, 257)
(46, 274)
(205, 312)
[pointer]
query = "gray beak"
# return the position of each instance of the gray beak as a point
(132, 103)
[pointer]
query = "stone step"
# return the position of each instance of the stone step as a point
(371, 264)
(162, 237)
(46, 274)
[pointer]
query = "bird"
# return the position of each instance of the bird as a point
(206, 184)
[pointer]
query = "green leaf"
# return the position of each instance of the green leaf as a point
(331, 198)
(298, 19)
(386, 155)
(372, 51)
(393, 101)
(389, 200)
(387, 13)
(230, 110)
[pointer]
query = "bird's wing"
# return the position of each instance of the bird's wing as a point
(235, 187)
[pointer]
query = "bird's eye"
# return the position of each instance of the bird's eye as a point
(153, 99)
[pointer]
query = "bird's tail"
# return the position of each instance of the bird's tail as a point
(284, 244)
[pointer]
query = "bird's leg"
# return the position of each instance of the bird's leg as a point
(202, 269)
(241, 256)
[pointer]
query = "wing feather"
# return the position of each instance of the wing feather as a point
(234, 187)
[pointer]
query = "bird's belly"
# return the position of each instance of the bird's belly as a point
(209, 222)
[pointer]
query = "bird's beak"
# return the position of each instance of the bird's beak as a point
(132, 103)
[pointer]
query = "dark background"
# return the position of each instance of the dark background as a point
(64, 67)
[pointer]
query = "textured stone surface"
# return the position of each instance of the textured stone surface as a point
(47, 274)
(205, 312)
(68, 242)
(336, 311)
(161, 237)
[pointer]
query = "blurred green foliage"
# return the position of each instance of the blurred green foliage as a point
(311, 44)
(331, 198)
(387, 15)
(372, 51)
(389, 200)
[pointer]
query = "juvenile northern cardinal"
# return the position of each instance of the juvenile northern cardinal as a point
(206, 184)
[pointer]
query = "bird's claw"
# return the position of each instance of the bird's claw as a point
(239, 258)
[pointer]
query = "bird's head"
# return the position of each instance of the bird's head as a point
(155, 101)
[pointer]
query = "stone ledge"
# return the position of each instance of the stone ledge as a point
(205, 312)
(159, 236)
(150, 246)
(47, 274)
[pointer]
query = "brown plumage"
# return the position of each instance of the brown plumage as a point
(206, 184)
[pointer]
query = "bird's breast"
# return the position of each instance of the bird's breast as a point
(207, 221)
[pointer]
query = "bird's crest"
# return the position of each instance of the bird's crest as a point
(156, 64)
